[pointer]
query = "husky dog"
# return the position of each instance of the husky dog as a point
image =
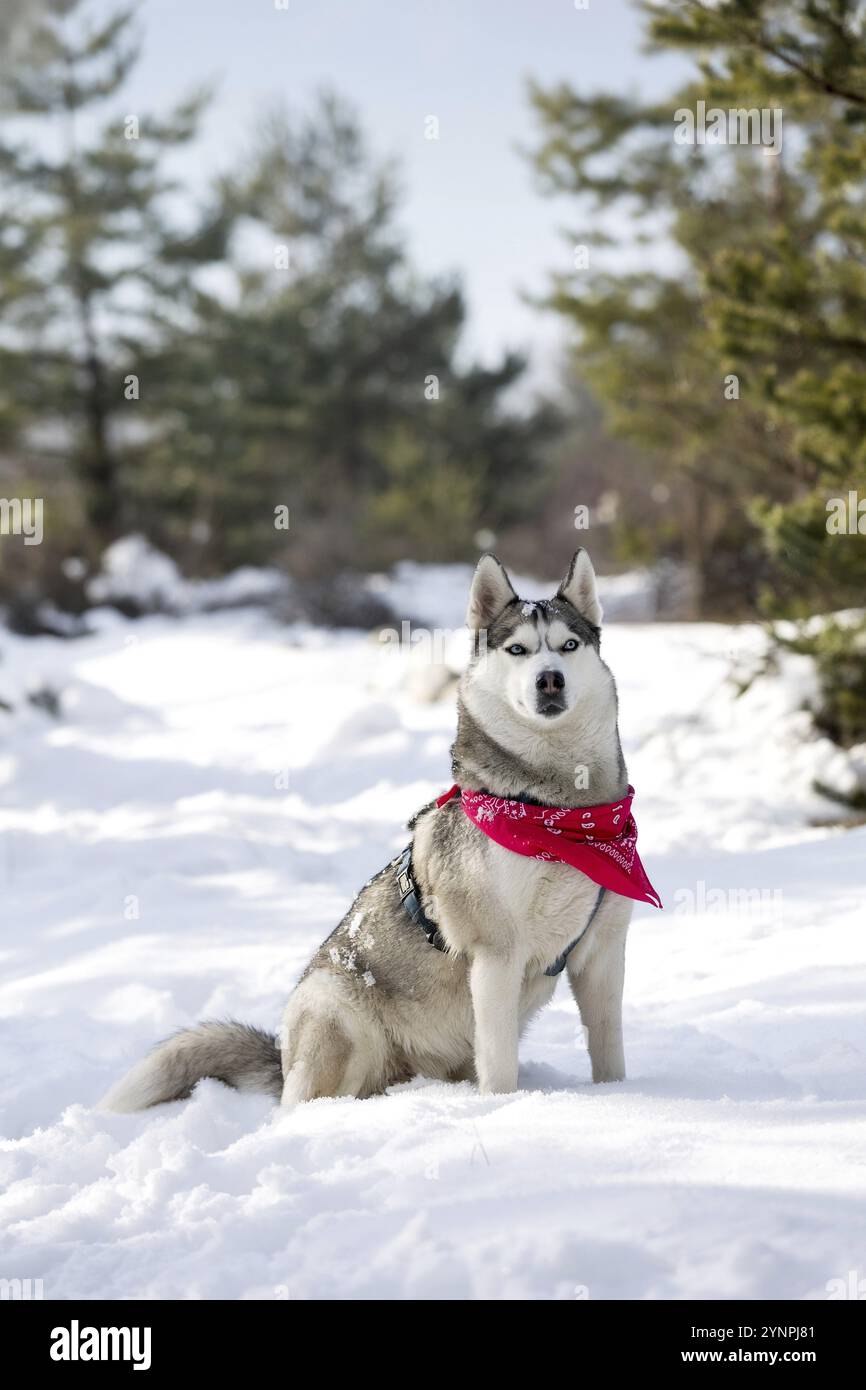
(378, 1004)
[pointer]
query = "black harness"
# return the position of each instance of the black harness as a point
(411, 901)
(559, 964)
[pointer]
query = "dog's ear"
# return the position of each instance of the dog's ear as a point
(579, 588)
(491, 592)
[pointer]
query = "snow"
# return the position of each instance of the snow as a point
(174, 845)
(134, 572)
(436, 594)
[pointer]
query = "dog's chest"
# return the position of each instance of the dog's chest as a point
(548, 903)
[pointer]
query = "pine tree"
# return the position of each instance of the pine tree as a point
(320, 376)
(327, 381)
(769, 289)
(89, 256)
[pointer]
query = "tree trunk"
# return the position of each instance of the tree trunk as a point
(97, 464)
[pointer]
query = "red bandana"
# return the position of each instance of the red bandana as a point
(601, 841)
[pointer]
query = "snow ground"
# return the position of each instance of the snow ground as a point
(175, 845)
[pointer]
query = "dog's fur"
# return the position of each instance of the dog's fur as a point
(378, 1004)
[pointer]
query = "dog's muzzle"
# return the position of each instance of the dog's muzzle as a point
(550, 692)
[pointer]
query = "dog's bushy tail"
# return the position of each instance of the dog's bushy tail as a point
(243, 1057)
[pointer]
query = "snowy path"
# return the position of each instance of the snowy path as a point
(198, 820)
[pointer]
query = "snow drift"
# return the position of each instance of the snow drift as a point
(194, 819)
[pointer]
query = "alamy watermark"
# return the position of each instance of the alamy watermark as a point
(22, 516)
(740, 125)
(21, 1290)
(846, 516)
(765, 903)
(852, 1286)
(431, 645)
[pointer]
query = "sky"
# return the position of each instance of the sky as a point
(471, 201)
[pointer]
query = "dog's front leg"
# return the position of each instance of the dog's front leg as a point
(597, 987)
(495, 983)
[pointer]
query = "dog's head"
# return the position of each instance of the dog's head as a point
(541, 656)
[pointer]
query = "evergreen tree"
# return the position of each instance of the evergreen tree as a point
(318, 373)
(769, 286)
(327, 382)
(89, 256)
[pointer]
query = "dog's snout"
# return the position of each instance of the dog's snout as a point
(549, 682)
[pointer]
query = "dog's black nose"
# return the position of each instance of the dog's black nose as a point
(550, 682)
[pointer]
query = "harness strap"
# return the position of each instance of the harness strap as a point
(411, 902)
(559, 964)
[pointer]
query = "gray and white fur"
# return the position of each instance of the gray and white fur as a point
(377, 1004)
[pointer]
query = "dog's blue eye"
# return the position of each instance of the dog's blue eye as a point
(571, 645)
(516, 650)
